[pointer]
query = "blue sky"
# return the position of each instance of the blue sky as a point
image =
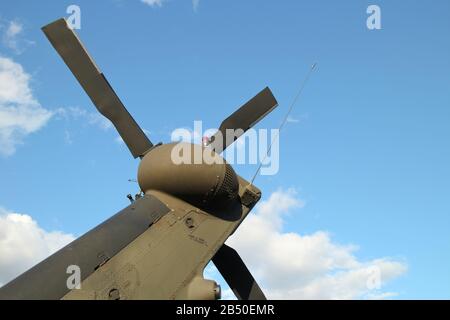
(369, 155)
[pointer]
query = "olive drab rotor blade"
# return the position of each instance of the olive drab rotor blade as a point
(243, 119)
(48, 279)
(72, 51)
(237, 275)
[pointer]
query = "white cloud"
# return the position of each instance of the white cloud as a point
(291, 119)
(23, 243)
(300, 118)
(154, 3)
(20, 112)
(68, 137)
(11, 37)
(159, 3)
(92, 118)
(381, 296)
(290, 265)
(14, 29)
(11, 33)
(195, 4)
(228, 294)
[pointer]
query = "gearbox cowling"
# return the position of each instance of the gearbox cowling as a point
(190, 172)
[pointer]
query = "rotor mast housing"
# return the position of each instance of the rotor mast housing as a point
(191, 172)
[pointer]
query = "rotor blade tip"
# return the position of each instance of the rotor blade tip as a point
(58, 21)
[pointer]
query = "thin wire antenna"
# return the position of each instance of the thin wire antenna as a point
(305, 80)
